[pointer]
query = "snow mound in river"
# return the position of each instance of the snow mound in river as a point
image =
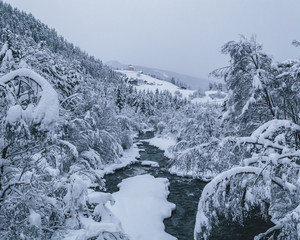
(149, 164)
(141, 205)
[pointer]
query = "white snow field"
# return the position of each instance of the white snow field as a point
(141, 205)
(149, 83)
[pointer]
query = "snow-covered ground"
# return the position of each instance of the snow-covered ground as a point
(149, 83)
(141, 205)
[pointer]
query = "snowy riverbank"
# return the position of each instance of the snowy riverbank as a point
(163, 143)
(108, 223)
(130, 156)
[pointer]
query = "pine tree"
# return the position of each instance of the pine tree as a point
(120, 101)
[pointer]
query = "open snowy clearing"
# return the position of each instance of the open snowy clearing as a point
(141, 205)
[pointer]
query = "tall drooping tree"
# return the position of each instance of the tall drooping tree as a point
(248, 77)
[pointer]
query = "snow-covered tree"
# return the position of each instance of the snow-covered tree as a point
(26, 126)
(248, 78)
(47, 159)
(263, 106)
(268, 181)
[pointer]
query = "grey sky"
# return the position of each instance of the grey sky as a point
(180, 35)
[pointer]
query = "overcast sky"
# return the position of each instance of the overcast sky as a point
(179, 35)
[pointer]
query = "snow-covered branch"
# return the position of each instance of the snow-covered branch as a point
(268, 232)
(47, 109)
(203, 224)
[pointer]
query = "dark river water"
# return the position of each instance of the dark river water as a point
(185, 193)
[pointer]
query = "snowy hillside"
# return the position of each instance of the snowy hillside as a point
(148, 83)
(194, 82)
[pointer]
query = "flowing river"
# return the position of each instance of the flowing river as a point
(185, 193)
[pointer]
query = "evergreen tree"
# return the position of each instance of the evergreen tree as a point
(120, 102)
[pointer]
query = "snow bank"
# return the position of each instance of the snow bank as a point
(162, 144)
(205, 176)
(150, 164)
(47, 109)
(129, 157)
(141, 205)
(100, 198)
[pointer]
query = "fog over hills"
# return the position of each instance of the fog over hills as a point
(191, 81)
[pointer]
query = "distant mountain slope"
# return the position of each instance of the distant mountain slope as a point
(193, 82)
